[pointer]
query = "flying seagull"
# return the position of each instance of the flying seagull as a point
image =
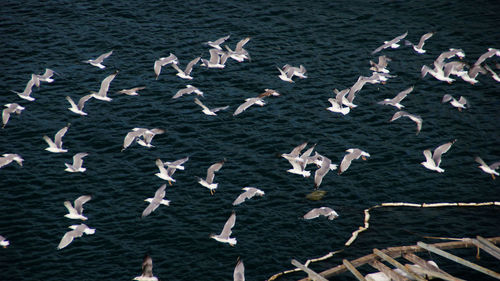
(10, 108)
(340, 99)
(165, 174)
(249, 193)
(159, 63)
(77, 163)
(29, 86)
(414, 118)
(381, 65)
(188, 90)
(7, 158)
(208, 181)
(393, 43)
(156, 201)
(299, 164)
(132, 91)
(259, 100)
(78, 231)
(98, 61)
(325, 165)
(207, 110)
(217, 59)
(239, 54)
(397, 99)
(103, 91)
(46, 77)
(488, 169)
(322, 211)
(56, 145)
(4, 242)
(185, 74)
(352, 153)
(419, 47)
(78, 108)
(226, 231)
(239, 271)
(76, 212)
(433, 160)
(216, 44)
(147, 270)
(136, 133)
(459, 104)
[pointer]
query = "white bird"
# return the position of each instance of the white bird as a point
(47, 76)
(459, 104)
(29, 86)
(338, 108)
(165, 174)
(217, 59)
(132, 91)
(4, 242)
(216, 44)
(393, 43)
(285, 76)
(7, 158)
(76, 212)
(77, 231)
(419, 47)
(299, 164)
(294, 155)
(239, 54)
(146, 134)
(340, 97)
(185, 74)
(259, 100)
(207, 110)
(78, 108)
(77, 163)
(432, 161)
(159, 63)
(188, 90)
(437, 72)
(322, 211)
(177, 164)
(325, 165)
(397, 99)
(147, 270)
(415, 118)
(56, 145)
(488, 169)
(156, 201)
(224, 236)
(353, 153)
(98, 61)
(296, 71)
(381, 65)
(10, 108)
(249, 193)
(103, 91)
(239, 271)
(147, 137)
(208, 181)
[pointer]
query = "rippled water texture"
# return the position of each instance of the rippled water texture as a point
(333, 40)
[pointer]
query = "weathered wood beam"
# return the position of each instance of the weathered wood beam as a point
(353, 270)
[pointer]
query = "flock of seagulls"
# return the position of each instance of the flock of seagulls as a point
(342, 103)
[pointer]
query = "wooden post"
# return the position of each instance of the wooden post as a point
(353, 270)
(416, 260)
(387, 271)
(459, 260)
(397, 264)
(487, 246)
(313, 275)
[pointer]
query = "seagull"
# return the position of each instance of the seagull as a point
(98, 61)
(259, 100)
(216, 44)
(249, 193)
(325, 165)
(226, 231)
(136, 133)
(488, 169)
(208, 111)
(78, 231)
(188, 90)
(186, 73)
(56, 145)
(336, 107)
(296, 71)
(165, 174)
(4, 242)
(437, 72)
(131, 92)
(353, 153)
(448, 55)
(459, 104)
(490, 53)
(102, 94)
(46, 77)
(156, 201)
(340, 97)
(78, 108)
(239, 54)
(239, 271)
(419, 47)
(299, 164)
(414, 118)
(494, 75)
(147, 270)
(322, 211)
(217, 59)
(208, 181)
(77, 163)
(29, 86)
(393, 43)
(294, 155)
(381, 65)
(147, 137)
(76, 213)
(432, 161)
(10, 108)
(162, 62)
(7, 158)
(285, 76)
(397, 99)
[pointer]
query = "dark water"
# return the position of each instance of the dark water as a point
(333, 40)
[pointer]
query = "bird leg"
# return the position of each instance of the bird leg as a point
(170, 182)
(493, 176)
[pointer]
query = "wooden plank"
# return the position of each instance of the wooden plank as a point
(387, 271)
(487, 246)
(395, 263)
(428, 272)
(353, 270)
(459, 260)
(416, 260)
(312, 275)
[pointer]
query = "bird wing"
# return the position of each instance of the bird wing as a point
(296, 151)
(198, 102)
(150, 208)
(397, 115)
(462, 100)
(80, 201)
(226, 231)
(436, 156)
(428, 156)
(102, 57)
(239, 271)
(83, 100)
(66, 239)
(130, 137)
(245, 105)
(212, 169)
(5, 116)
(221, 40)
(181, 92)
(447, 98)
(423, 38)
(160, 166)
(180, 161)
(495, 165)
(242, 197)
(239, 45)
(314, 213)
(402, 94)
(216, 109)
(190, 65)
(59, 135)
(322, 171)
(105, 84)
(346, 161)
(77, 159)
(70, 208)
(147, 266)
(480, 161)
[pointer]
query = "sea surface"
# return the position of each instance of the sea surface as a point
(334, 41)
